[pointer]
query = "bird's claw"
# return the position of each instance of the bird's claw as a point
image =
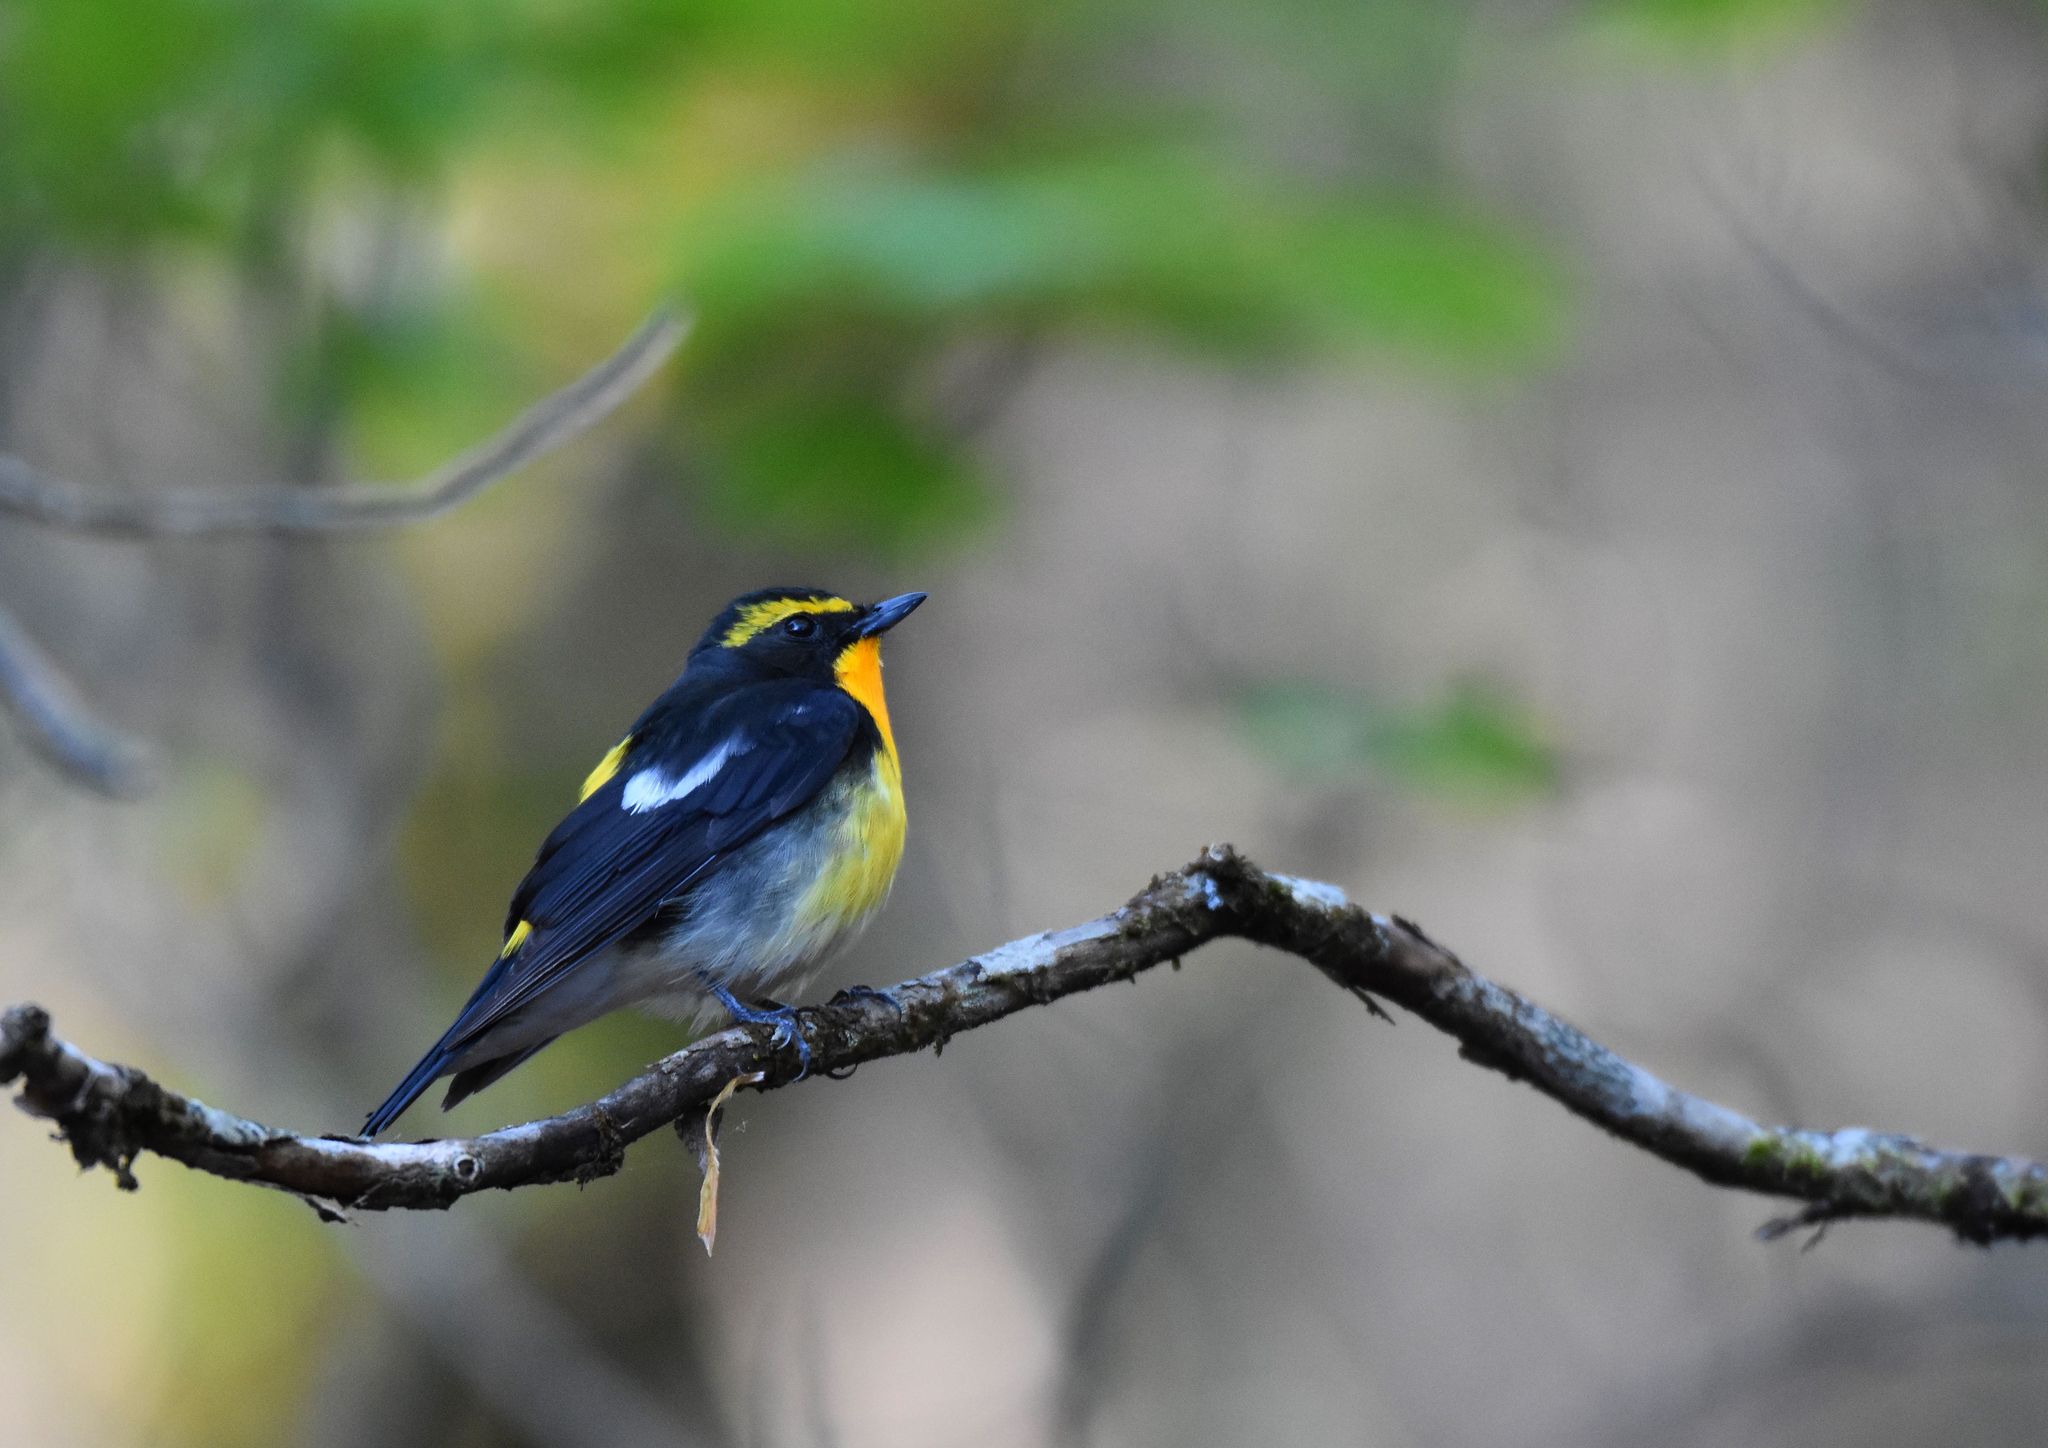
(782, 1017)
(786, 1034)
(868, 993)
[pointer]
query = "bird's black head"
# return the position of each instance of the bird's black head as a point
(802, 632)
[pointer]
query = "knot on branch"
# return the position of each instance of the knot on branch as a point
(1992, 1202)
(23, 1029)
(1226, 882)
(1218, 893)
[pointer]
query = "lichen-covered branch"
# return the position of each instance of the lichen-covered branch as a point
(110, 1115)
(28, 493)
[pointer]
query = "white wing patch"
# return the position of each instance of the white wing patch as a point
(653, 788)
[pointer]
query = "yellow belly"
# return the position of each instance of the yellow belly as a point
(867, 847)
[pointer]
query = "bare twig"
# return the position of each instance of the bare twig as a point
(58, 723)
(111, 1114)
(1828, 315)
(1897, 359)
(35, 496)
(53, 716)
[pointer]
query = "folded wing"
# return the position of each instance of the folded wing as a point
(666, 817)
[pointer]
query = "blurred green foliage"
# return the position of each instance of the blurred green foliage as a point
(440, 206)
(1474, 747)
(813, 283)
(842, 191)
(1689, 23)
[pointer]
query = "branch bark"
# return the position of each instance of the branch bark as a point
(112, 1114)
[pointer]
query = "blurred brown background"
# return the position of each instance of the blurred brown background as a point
(1568, 473)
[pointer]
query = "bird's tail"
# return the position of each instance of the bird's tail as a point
(472, 1079)
(439, 1061)
(431, 1067)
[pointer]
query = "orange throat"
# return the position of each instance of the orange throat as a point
(869, 838)
(859, 672)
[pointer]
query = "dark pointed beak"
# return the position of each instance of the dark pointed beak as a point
(887, 614)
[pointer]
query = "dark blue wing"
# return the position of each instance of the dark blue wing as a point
(608, 869)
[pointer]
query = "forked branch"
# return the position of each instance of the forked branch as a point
(111, 1115)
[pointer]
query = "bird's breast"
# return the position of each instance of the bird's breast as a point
(776, 908)
(864, 845)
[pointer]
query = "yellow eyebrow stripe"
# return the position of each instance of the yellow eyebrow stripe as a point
(758, 617)
(606, 768)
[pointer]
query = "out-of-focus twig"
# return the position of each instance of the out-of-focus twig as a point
(51, 713)
(1897, 359)
(1088, 1338)
(34, 496)
(58, 723)
(112, 1114)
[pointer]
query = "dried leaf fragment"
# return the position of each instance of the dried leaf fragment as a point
(700, 1135)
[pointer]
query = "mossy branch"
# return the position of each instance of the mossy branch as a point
(110, 1115)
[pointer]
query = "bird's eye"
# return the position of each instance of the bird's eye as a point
(799, 627)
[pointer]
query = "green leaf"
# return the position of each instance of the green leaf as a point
(1691, 24)
(422, 379)
(822, 289)
(1473, 747)
(1476, 746)
(839, 473)
(1308, 728)
(1434, 285)
(1175, 242)
(874, 235)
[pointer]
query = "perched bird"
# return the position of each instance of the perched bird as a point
(749, 822)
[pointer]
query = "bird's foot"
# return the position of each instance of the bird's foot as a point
(783, 1018)
(868, 993)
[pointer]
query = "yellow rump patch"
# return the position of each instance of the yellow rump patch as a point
(606, 768)
(758, 617)
(517, 938)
